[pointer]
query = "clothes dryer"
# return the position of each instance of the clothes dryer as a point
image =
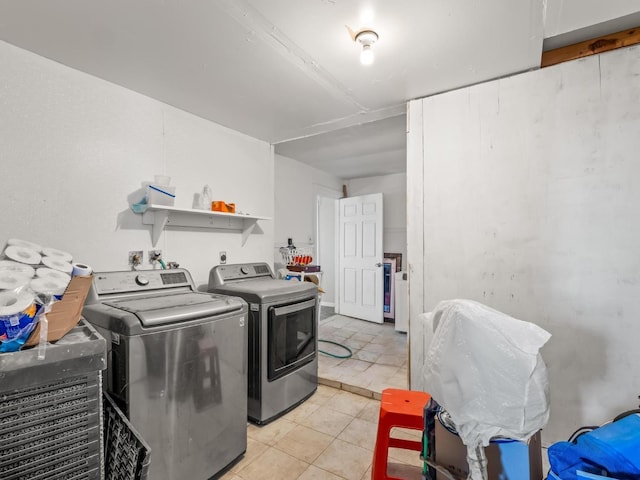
(282, 337)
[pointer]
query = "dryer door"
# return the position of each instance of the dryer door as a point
(291, 340)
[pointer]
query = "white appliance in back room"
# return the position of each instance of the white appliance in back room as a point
(401, 302)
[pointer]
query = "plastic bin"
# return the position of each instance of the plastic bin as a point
(127, 455)
(51, 409)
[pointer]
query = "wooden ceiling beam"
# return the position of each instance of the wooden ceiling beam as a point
(591, 47)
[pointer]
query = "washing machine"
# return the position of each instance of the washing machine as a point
(176, 366)
(283, 336)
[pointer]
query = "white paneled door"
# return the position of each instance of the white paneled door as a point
(360, 257)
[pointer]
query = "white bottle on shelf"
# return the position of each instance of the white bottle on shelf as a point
(205, 198)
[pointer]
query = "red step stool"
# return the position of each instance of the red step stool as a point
(398, 408)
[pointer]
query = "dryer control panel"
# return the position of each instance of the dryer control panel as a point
(229, 273)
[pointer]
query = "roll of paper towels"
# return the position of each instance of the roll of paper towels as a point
(80, 269)
(24, 243)
(46, 272)
(48, 286)
(58, 254)
(17, 267)
(12, 303)
(22, 254)
(56, 264)
(17, 311)
(10, 280)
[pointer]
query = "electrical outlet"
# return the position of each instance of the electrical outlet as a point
(154, 256)
(223, 258)
(135, 258)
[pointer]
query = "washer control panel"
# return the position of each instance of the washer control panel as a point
(141, 280)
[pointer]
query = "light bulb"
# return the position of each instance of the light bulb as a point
(366, 56)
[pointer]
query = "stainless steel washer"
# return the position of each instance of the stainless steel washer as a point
(177, 366)
(283, 342)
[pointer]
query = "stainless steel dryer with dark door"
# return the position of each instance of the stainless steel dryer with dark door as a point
(177, 366)
(283, 342)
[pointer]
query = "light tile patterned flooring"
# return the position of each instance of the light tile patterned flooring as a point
(332, 434)
(379, 358)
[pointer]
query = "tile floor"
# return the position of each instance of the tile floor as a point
(379, 358)
(330, 436)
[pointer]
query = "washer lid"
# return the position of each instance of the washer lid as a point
(166, 308)
(267, 290)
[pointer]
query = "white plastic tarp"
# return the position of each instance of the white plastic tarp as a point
(485, 369)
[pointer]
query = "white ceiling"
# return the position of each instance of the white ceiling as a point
(287, 71)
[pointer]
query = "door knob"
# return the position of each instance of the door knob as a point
(378, 264)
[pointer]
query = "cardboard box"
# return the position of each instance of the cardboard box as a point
(506, 460)
(65, 313)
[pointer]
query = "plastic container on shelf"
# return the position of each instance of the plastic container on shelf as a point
(161, 195)
(206, 198)
(161, 180)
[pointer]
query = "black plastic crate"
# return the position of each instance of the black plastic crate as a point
(51, 410)
(127, 455)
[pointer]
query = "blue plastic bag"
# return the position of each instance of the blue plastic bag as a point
(613, 449)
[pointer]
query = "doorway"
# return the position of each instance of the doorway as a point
(379, 353)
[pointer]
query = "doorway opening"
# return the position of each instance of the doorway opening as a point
(379, 357)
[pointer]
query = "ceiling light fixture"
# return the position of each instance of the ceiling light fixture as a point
(366, 38)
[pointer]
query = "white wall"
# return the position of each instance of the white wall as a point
(328, 246)
(297, 187)
(75, 151)
(531, 206)
(394, 197)
(562, 16)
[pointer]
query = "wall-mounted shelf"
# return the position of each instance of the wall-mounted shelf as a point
(161, 216)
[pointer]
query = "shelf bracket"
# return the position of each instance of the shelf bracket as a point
(158, 219)
(249, 225)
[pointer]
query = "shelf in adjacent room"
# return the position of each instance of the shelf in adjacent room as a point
(161, 216)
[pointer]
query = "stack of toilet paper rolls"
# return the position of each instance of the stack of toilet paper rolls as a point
(31, 276)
